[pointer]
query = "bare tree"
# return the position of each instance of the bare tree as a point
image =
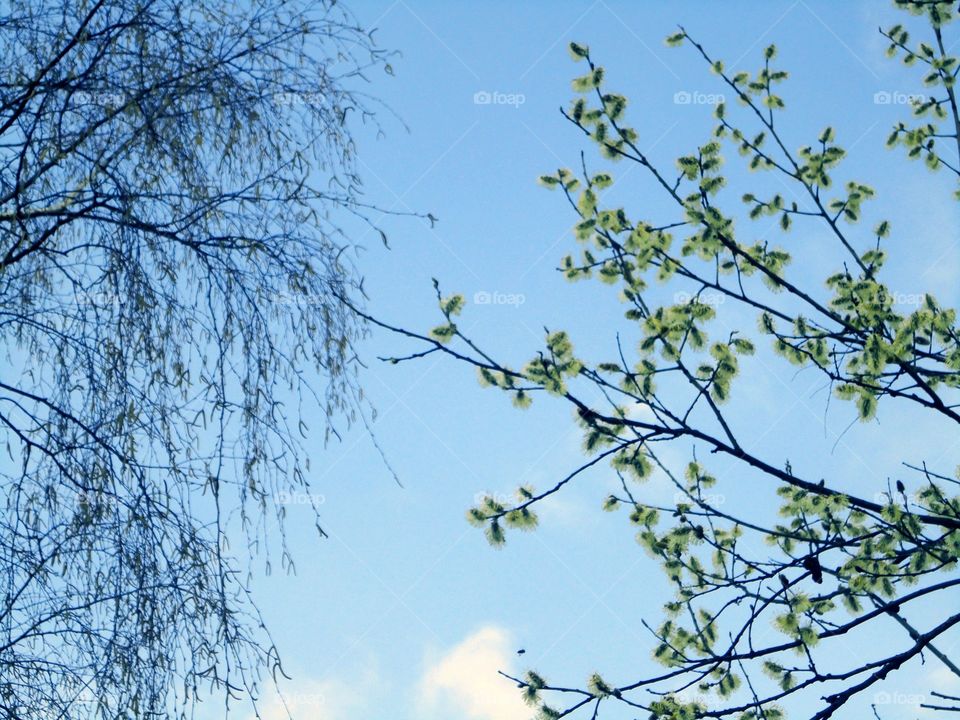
(171, 277)
(833, 565)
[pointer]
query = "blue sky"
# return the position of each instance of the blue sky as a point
(406, 612)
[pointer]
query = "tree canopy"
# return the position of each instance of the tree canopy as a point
(173, 179)
(829, 564)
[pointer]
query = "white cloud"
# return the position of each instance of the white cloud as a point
(464, 682)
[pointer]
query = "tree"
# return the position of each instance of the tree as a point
(834, 564)
(173, 180)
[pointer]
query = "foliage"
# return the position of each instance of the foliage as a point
(834, 564)
(171, 270)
